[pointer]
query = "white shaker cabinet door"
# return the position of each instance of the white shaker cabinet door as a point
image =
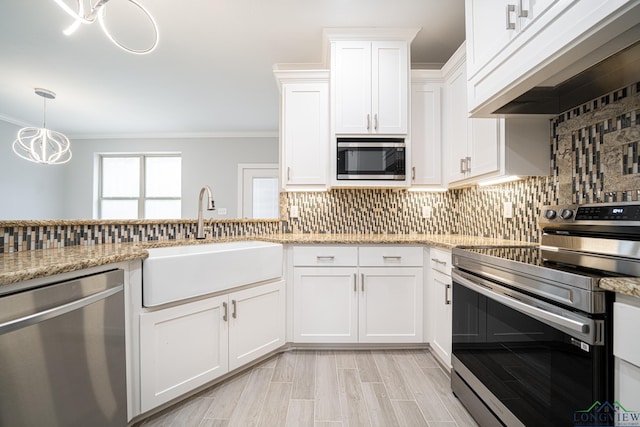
(305, 134)
(182, 348)
(256, 323)
(352, 80)
(390, 87)
(325, 305)
(391, 305)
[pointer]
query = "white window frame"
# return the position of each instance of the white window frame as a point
(142, 198)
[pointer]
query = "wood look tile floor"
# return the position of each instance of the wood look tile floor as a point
(327, 389)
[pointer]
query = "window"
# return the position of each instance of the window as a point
(136, 186)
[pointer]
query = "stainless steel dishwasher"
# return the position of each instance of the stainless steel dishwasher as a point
(62, 354)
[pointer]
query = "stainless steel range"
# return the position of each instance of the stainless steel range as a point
(532, 331)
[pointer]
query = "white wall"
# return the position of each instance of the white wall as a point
(28, 190)
(31, 191)
(212, 161)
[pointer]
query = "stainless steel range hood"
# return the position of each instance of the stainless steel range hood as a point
(615, 72)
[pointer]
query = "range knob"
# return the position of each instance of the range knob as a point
(566, 213)
(549, 214)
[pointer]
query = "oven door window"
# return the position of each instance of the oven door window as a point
(371, 162)
(542, 375)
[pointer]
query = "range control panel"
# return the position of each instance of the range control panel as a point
(616, 212)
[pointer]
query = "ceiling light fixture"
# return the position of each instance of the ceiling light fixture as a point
(41, 145)
(97, 11)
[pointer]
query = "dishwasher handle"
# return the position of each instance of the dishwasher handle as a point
(50, 313)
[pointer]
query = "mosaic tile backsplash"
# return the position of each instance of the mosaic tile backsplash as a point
(595, 157)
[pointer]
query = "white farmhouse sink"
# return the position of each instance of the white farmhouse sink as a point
(179, 272)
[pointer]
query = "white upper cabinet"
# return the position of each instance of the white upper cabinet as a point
(516, 45)
(304, 129)
(370, 80)
(492, 24)
(426, 140)
(371, 87)
(476, 149)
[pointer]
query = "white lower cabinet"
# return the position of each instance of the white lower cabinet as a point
(325, 306)
(390, 309)
(186, 346)
(440, 299)
(626, 349)
(374, 296)
(256, 323)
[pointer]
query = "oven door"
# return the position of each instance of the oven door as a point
(377, 160)
(528, 361)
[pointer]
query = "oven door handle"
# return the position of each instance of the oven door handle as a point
(518, 305)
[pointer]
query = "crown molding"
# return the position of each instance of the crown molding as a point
(178, 135)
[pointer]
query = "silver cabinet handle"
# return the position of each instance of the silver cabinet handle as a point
(436, 260)
(447, 300)
(225, 317)
(510, 25)
(463, 167)
(235, 309)
(362, 282)
(375, 121)
(522, 12)
(368, 121)
(355, 282)
(468, 164)
(398, 257)
(288, 174)
(413, 173)
(325, 257)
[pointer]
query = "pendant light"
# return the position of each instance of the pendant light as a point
(41, 145)
(97, 11)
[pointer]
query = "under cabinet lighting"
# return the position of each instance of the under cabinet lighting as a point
(427, 190)
(501, 180)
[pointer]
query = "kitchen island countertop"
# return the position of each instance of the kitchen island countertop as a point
(26, 265)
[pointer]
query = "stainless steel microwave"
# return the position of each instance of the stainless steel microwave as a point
(365, 158)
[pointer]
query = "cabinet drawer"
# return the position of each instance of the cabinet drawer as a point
(325, 255)
(440, 260)
(625, 323)
(390, 256)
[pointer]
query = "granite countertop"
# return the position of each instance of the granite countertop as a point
(25, 265)
(623, 285)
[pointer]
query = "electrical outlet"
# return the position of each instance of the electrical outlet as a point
(426, 212)
(222, 211)
(293, 212)
(507, 210)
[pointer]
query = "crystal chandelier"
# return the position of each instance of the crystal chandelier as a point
(41, 145)
(97, 11)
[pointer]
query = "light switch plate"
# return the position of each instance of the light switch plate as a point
(507, 210)
(293, 212)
